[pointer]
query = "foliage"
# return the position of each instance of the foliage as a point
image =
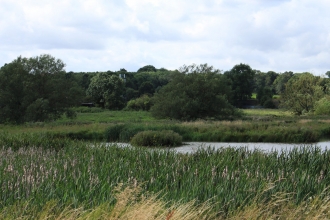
(242, 84)
(194, 95)
(322, 106)
(147, 68)
(164, 138)
(143, 103)
(301, 92)
(146, 88)
(198, 69)
(257, 125)
(230, 178)
(265, 97)
(328, 73)
(269, 103)
(140, 83)
(36, 89)
(264, 80)
(281, 80)
(107, 91)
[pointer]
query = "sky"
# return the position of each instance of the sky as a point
(102, 35)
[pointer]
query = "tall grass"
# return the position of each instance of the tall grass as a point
(131, 204)
(78, 174)
(256, 126)
(300, 131)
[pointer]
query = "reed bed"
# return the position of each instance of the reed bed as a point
(265, 130)
(77, 174)
(132, 204)
(120, 126)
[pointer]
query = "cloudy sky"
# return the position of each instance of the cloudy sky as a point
(101, 35)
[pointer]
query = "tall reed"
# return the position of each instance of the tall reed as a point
(75, 173)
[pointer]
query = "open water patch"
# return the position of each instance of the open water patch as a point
(191, 147)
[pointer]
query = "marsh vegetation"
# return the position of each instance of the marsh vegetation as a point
(54, 163)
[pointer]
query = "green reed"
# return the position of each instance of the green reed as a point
(121, 126)
(79, 173)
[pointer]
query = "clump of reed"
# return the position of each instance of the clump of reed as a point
(132, 203)
(164, 138)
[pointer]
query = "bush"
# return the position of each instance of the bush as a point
(322, 107)
(164, 138)
(269, 104)
(143, 103)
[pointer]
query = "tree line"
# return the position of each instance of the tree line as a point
(39, 89)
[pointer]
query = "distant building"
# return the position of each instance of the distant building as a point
(122, 76)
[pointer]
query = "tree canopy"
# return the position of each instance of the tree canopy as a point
(107, 91)
(242, 82)
(194, 94)
(36, 89)
(301, 92)
(147, 68)
(281, 80)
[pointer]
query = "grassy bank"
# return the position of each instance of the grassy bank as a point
(257, 125)
(75, 175)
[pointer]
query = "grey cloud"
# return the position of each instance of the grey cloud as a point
(268, 35)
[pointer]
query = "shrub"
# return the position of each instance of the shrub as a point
(164, 138)
(142, 103)
(322, 107)
(269, 104)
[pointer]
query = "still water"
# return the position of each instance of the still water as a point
(191, 147)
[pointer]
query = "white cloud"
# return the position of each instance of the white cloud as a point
(95, 35)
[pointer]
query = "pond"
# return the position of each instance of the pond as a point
(191, 147)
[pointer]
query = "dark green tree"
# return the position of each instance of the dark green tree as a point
(242, 84)
(281, 80)
(265, 97)
(12, 92)
(36, 89)
(192, 94)
(107, 91)
(147, 68)
(146, 88)
(259, 80)
(328, 73)
(270, 78)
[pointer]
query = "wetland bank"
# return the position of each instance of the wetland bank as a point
(46, 168)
